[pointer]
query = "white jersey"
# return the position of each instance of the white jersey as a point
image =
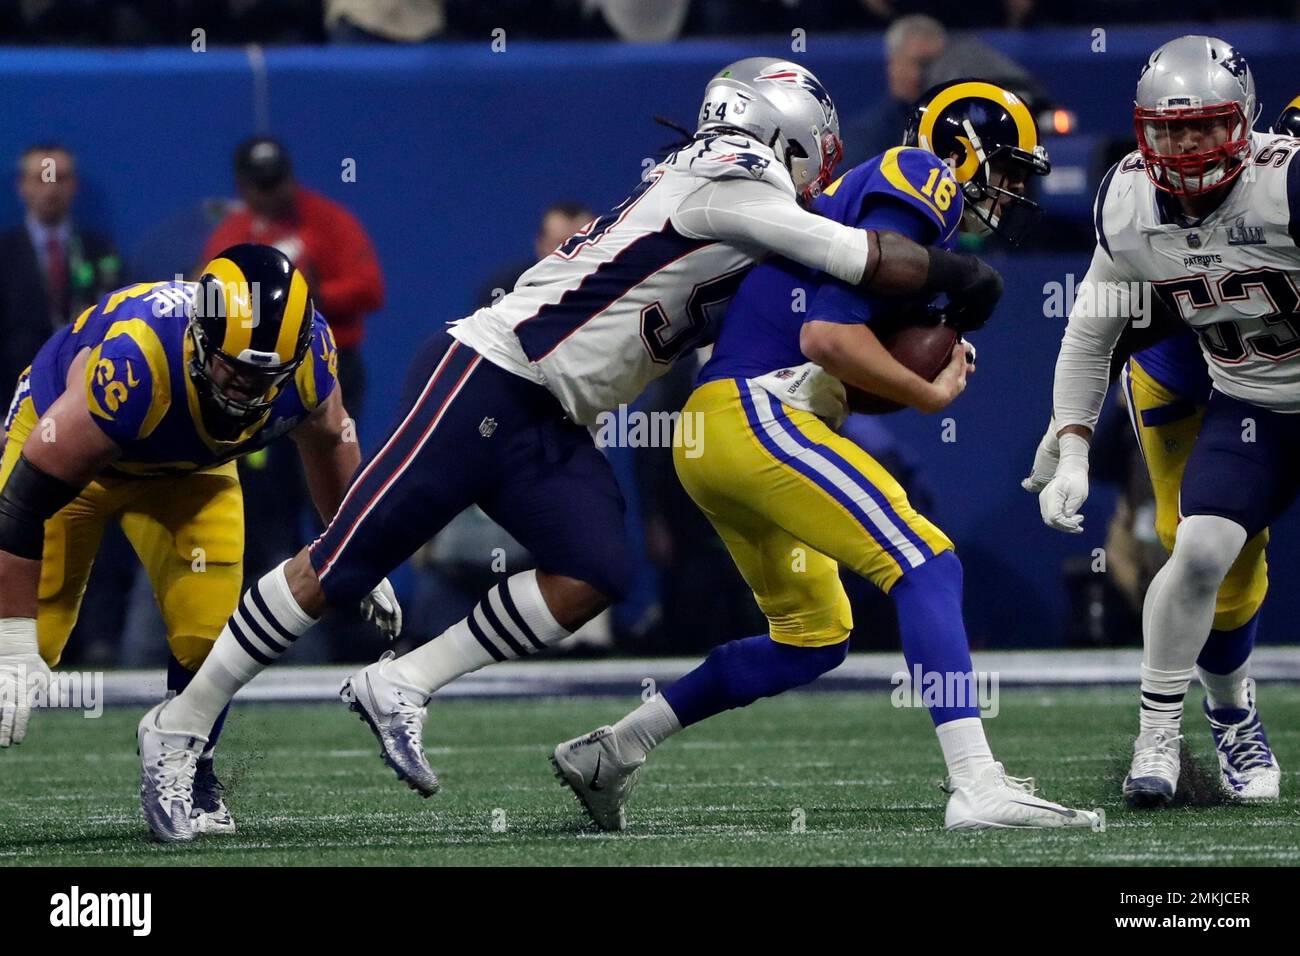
(1233, 276)
(618, 302)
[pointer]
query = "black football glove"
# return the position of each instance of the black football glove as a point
(973, 288)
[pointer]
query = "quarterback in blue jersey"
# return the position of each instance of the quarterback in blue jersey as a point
(136, 413)
(793, 500)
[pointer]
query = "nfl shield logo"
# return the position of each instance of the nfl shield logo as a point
(487, 426)
(1194, 240)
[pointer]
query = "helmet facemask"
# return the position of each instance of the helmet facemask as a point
(812, 173)
(1191, 150)
(234, 391)
(995, 200)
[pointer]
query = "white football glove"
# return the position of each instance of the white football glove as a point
(1060, 501)
(1046, 457)
(381, 607)
(22, 672)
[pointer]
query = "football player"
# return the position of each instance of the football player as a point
(793, 500)
(136, 413)
(496, 410)
(1206, 213)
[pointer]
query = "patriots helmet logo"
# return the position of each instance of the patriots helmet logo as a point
(1235, 64)
(785, 73)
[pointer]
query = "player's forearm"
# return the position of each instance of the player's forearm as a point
(1082, 375)
(855, 356)
(328, 468)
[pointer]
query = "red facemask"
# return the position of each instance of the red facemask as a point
(1191, 173)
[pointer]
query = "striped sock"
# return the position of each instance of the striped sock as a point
(264, 626)
(511, 621)
(1162, 698)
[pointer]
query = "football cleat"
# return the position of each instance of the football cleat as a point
(1247, 768)
(995, 800)
(395, 713)
(602, 781)
(210, 813)
(168, 761)
(1153, 776)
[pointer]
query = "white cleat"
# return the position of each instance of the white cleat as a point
(167, 762)
(395, 713)
(602, 781)
(210, 815)
(1247, 768)
(994, 800)
(1153, 776)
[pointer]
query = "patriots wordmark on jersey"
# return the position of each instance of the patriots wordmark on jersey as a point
(617, 303)
(1233, 276)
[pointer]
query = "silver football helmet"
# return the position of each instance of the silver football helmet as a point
(1194, 110)
(784, 106)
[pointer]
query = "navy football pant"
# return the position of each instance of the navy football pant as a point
(471, 433)
(1245, 465)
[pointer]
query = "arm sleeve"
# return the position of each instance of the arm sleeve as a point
(1100, 312)
(838, 301)
(752, 212)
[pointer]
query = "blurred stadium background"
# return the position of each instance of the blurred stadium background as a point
(449, 128)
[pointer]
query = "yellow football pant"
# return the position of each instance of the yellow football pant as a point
(792, 500)
(1166, 444)
(188, 532)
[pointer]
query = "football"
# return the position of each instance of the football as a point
(923, 348)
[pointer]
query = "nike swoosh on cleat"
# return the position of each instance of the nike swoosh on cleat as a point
(595, 776)
(1068, 814)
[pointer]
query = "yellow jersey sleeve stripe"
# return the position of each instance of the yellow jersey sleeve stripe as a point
(121, 295)
(889, 168)
(143, 335)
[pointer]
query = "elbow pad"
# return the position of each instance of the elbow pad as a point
(28, 499)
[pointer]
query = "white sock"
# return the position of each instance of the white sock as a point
(511, 621)
(1178, 613)
(965, 748)
(1162, 699)
(645, 728)
(1226, 690)
(264, 626)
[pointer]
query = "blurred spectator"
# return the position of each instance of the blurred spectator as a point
(559, 222)
(324, 240)
(50, 268)
(968, 56)
(911, 43)
(639, 22)
(384, 21)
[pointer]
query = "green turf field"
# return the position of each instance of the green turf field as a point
(307, 787)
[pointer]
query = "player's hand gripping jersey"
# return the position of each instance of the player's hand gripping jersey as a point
(620, 301)
(138, 389)
(1233, 277)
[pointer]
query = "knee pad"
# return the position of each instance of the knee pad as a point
(1206, 548)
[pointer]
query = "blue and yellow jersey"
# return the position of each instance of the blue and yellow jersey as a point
(904, 189)
(139, 392)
